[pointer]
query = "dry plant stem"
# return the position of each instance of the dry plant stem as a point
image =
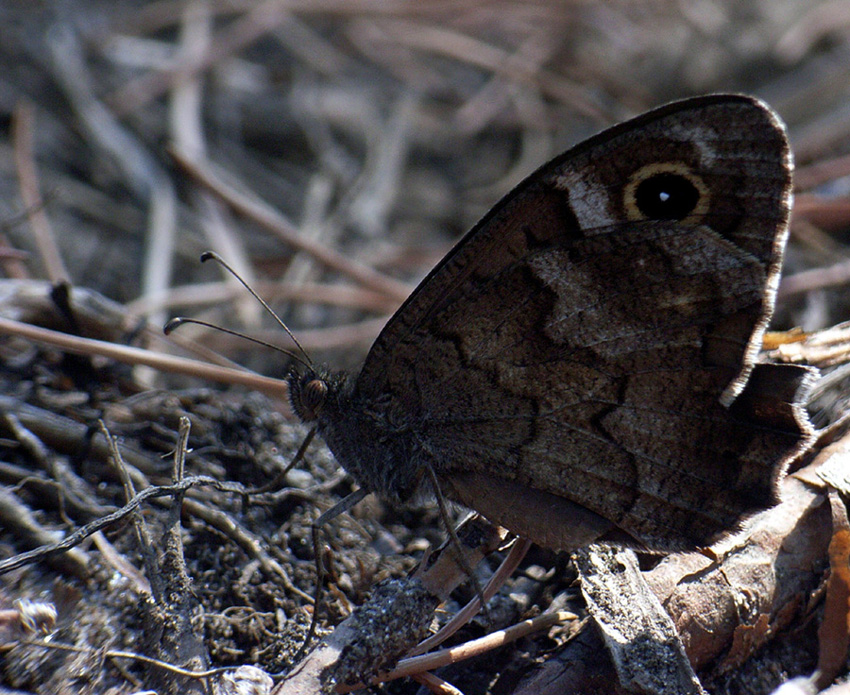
(84, 532)
(465, 48)
(219, 520)
(267, 217)
(48, 490)
(65, 434)
(12, 260)
(317, 225)
(831, 127)
(159, 255)
(317, 51)
(142, 172)
(74, 493)
(823, 213)
(493, 97)
(179, 469)
(105, 133)
(240, 34)
(212, 293)
(465, 614)
(121, 564)
(136, 356)
(34, 301)
(823, 349)
(31, 195)
(375, 194)
(17, 519)
(435, 684)
(156, 17)
(143, 538)
(186, 125)
(360, 333)
(821, 172)
(118, 654)
(815, 279)
(471, 649)
(253, 546)
(175, 621)
(71, 440)
(816, 23)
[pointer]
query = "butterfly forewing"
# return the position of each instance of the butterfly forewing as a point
(580, 346)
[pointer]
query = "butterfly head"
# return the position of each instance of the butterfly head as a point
(310, 391)
(378, 450)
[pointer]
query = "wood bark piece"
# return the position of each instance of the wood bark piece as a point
(394, 620)
(834, 632)
(639, 634)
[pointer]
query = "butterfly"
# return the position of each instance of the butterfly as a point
(582, 365)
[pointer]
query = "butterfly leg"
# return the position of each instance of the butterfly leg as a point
(518, 551)
(460, 557)
(340, 507)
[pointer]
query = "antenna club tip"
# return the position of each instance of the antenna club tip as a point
(209, 256)
(172, 324)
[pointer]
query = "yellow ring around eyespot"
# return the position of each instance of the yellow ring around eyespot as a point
(647, 171)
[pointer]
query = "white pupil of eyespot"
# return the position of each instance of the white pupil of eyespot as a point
(664, 197)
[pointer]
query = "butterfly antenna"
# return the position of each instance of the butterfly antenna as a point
(180, 320)
(212, 256)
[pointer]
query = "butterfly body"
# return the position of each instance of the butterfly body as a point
(583, 363)
(381, 454)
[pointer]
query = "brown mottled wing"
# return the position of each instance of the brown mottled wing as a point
(572, 360)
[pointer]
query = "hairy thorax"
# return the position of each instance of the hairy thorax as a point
(379, 450)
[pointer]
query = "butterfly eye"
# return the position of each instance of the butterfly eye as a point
(666, 191)
(313, 395)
